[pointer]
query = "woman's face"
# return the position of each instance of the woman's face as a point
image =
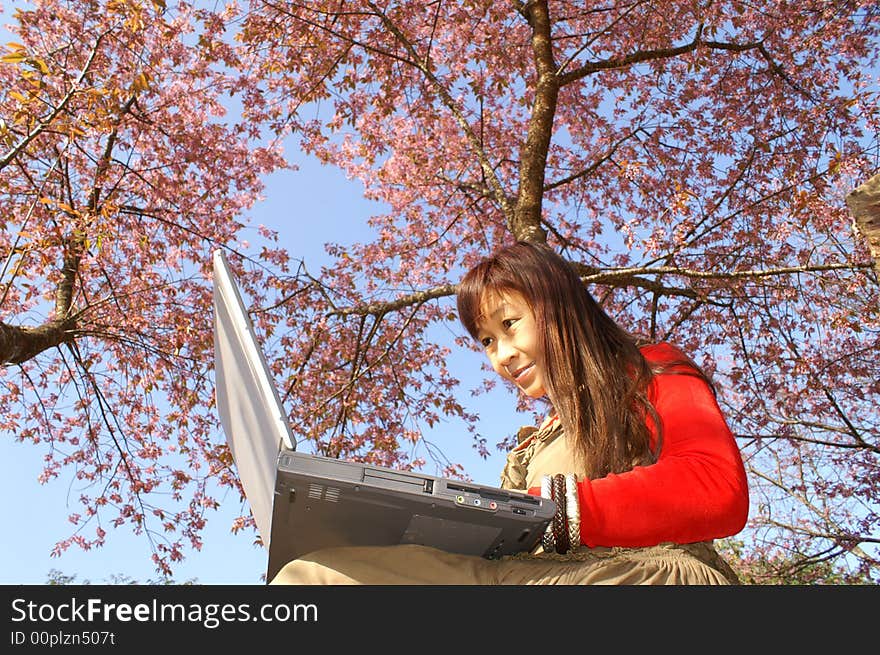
(509, 336)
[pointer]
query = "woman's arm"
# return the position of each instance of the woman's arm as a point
(696, 491)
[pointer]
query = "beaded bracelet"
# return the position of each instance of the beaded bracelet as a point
(560, 521)
(563, 533)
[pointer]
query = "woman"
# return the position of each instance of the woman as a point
(635, 451)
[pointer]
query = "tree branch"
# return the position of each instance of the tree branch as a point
(380, 308)
(423, 65)
(594, 166)
(60, 107)
(616, 277)
(19, 344)
(631, 59)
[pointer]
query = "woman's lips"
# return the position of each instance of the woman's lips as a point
(520, 372)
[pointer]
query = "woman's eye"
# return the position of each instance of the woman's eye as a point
(507, 322)
(486, 341)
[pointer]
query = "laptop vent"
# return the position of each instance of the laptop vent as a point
(330, 494)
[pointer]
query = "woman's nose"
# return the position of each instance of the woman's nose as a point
(505, 350)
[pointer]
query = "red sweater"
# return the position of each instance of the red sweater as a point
(696, 491)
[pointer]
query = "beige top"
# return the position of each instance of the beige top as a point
(540, 451)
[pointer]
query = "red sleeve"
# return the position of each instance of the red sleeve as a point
(696, 491)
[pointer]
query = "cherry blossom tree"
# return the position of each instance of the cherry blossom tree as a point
(118, 177)
(692, 158)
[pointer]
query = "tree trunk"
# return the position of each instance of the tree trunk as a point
(864, 203)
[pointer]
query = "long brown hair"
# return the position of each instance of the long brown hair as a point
(596, 377)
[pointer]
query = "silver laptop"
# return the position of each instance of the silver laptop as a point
(304, 502)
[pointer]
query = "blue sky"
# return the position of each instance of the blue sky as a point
(35, 515)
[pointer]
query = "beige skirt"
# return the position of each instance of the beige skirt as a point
(665, 564)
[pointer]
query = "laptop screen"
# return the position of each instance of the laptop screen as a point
(250, 410)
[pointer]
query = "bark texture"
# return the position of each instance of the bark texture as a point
(864, 203)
